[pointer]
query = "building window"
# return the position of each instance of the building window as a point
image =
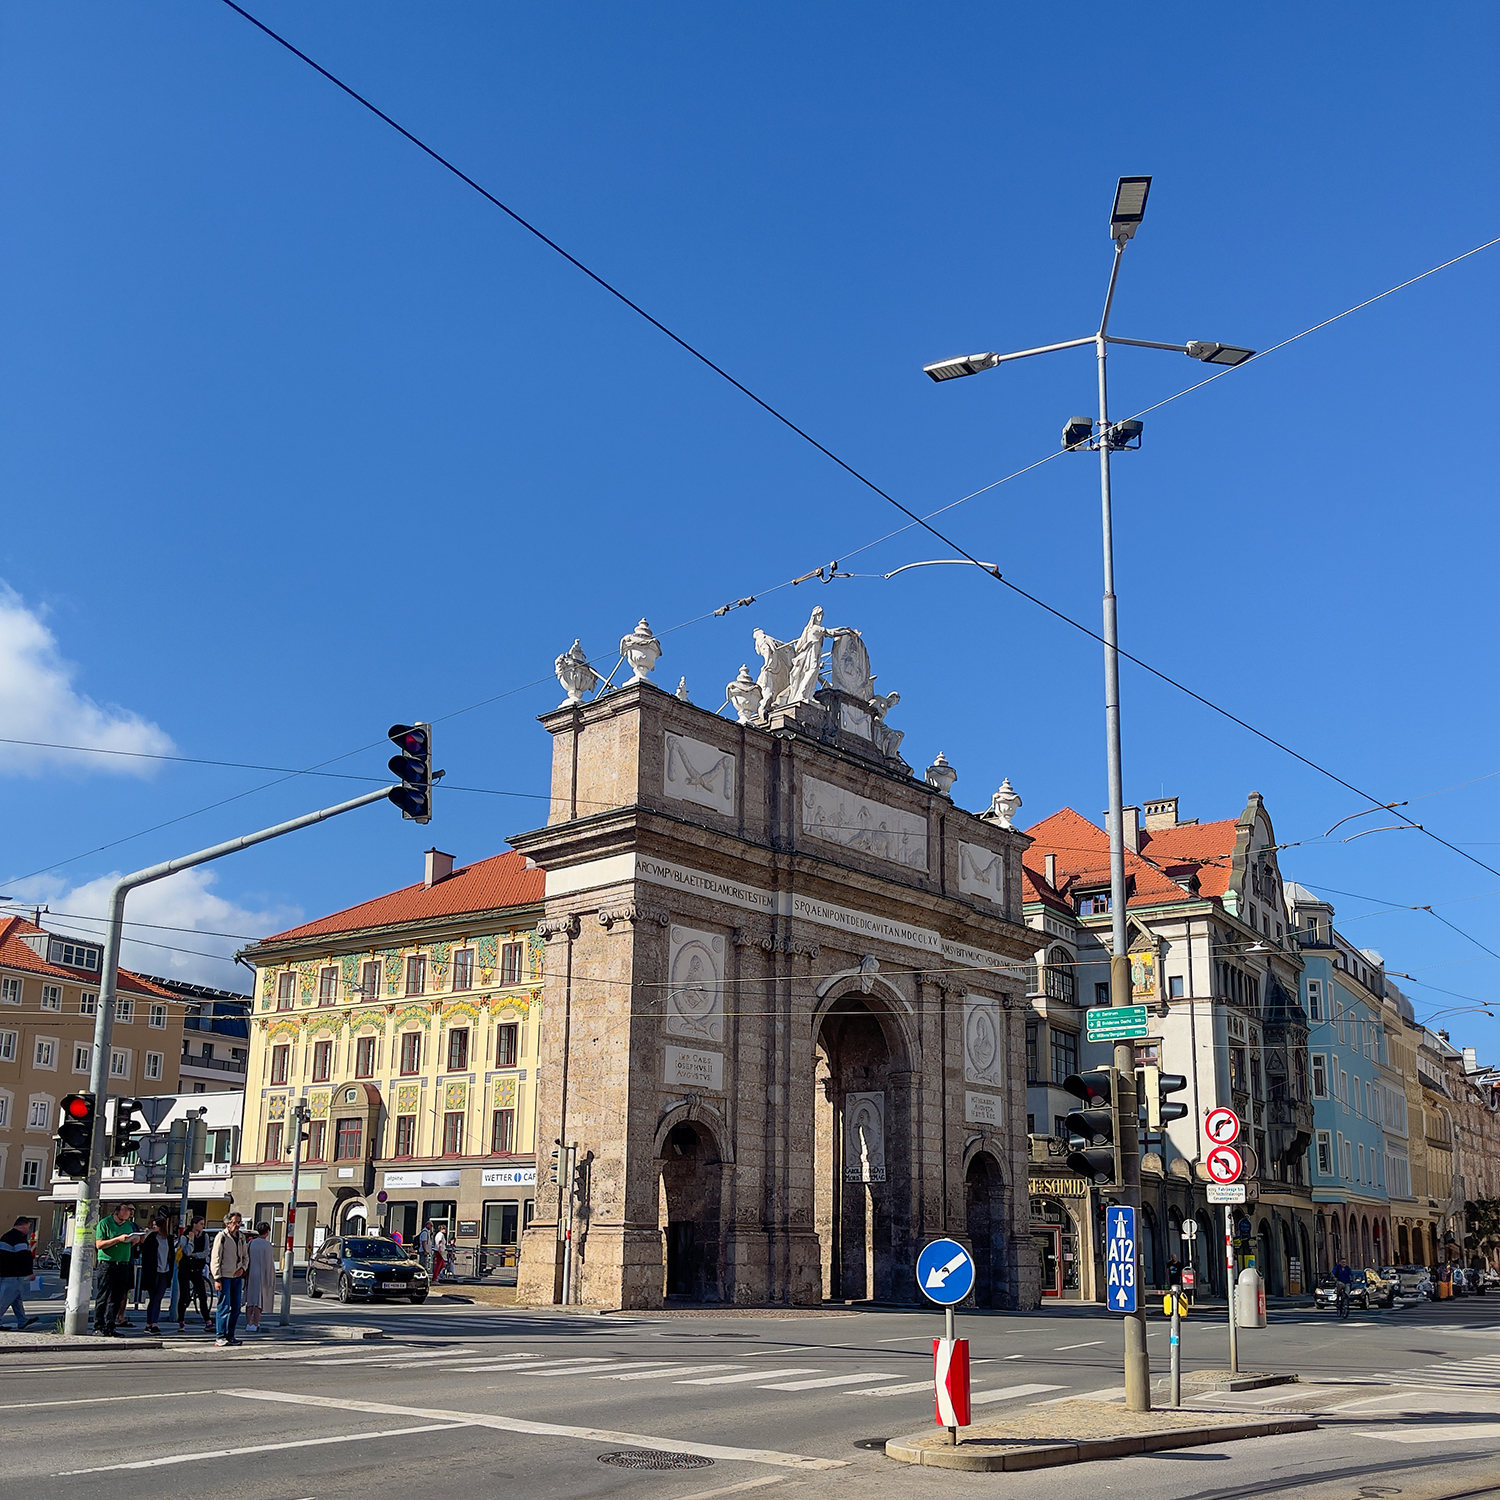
(8, 1040)
(317, 1140)
(1325, 1154)
(347, 1139)
(416, 974)
(88, 1003)
(273, 1141)
(1174, 987)
(322, 1061)
(51, 997)
(153, 1066)
(157, 1017)
(31, 1173)
(406, 1135)
(39, 1115)
(1060, 1127)
(1319, 1076)
(1299, 1076)
(1101, 994)
(1094, 905)
(1256, 1089)
(1064, 1053)
(411, 1051)
(1030, 1124)
(1033, 1074)
(1060, 984)
(458, 1050)
(10, 991)
(1237, 1078)
(83, 1057)
(364, 1057)
(280, 1061)
(1315, 999)
(453, 1134)
(285, 985)
(503, 1132)
(512, 956)
(369, 981)
(506, 1037)
(463, 969)
(328, 985)
(124, 1010)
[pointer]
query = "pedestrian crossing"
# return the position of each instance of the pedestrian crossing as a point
(663, 1375)
(1479, 1373)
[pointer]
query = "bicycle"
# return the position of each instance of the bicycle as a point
(1343, 1303)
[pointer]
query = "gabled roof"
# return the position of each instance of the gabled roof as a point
(1082, 852)
(15, 954)
(485, 886)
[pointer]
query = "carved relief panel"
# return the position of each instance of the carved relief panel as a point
(981, 872)
(843, 817)
(864, 1137)
(695, 993)
(696, 772)
(982, 1051)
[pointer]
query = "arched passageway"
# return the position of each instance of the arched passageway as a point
(984, 1202)
(688, 1212)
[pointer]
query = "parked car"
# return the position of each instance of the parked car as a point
(363, 1266)
(1369, 1288)
(1408, 1279)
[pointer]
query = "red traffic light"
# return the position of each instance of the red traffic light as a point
(410, 738)
(78, 1108)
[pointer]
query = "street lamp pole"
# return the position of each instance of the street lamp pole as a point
(1080, 433)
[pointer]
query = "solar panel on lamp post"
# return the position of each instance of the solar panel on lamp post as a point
(1126, 216)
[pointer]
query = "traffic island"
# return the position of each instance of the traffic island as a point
(1235, 1380)
(1074, 1432)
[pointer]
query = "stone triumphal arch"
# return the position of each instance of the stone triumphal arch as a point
(785, 996)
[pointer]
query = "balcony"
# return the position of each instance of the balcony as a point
(213, 1064)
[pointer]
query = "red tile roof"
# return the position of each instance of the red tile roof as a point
(487, 885)
(15, 954)
(1082, 851)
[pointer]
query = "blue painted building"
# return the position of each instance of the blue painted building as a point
(1359, 1105)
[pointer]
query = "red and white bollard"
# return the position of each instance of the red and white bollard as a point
(950, 1383)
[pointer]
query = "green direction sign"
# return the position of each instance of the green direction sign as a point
(1115, 1023)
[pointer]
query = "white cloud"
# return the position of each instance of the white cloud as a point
(182, 901)
(39, 702)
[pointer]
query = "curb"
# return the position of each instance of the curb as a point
(73, 1343)
(1209, 1380)
(1050, 1455)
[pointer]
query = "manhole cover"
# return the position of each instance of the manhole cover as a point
(652, 1458)
(876, 1445)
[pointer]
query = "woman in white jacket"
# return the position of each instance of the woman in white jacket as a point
(260, 1282)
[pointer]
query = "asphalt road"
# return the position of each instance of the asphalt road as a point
(464, 1400)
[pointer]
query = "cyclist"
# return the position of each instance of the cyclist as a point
(1343, 1276)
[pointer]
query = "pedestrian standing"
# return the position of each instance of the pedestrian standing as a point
(156, 1269)
(115, 1236)
(439, 1252)
(228, 1263)
(424, 1244)
(192, 1263)
(16, 1266)
(260, 1279)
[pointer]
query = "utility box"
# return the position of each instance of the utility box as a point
(1250, 1299)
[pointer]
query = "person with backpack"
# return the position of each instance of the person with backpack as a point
(192, 1263)
(229, 1263)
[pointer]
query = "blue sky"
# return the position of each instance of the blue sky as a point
(300, 437)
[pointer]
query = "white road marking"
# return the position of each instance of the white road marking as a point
(734, 1489)
(549, 1429)
(1092, 1344)
(389, 1357)
(188, 1458)
(1009, 1393)
(907, 1337)
(783, 1353)
(96, 1400)
(1015, 1356)
(895, 1390)
(571, 1367)
(827, 1380)
(634, 1364)
(748, 1375)
(1109, 1393)
(669, 1371)
(1481, 1430)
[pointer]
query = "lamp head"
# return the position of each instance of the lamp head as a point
(1218, 354)
(1130, 207)
(1077, 432)
(961, 364)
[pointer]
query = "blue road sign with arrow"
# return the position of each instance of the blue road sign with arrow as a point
(945, 1272)
(1119, 1258)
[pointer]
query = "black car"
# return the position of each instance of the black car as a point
(365, 1266)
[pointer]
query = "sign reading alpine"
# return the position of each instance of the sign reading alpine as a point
(1119, 1258)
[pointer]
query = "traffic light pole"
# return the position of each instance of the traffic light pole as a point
(81, 1270)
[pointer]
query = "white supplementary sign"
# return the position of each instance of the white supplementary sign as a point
(1226, 1192)
(507, 1177)
(1223, 1126)
(688, 1069)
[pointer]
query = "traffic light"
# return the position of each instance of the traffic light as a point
(1151, 1089)
(1093, 1133)
(197, 1149)
(128, 1129)
(554, 1168)
(581, 1178)
(75, 1135)
(414, 766)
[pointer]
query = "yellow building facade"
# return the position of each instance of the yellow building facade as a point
(408, 1028)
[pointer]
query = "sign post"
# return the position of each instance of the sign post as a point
(945, 1275)
(1224, 1165)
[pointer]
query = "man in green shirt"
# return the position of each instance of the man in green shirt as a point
(115, 1237)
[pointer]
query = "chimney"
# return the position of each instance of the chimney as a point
(1132, 828)
(439, 868)
(1161, 814)
(1052, 871)
(1471, 1059)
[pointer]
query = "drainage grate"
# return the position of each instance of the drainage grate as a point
(652, 1458)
